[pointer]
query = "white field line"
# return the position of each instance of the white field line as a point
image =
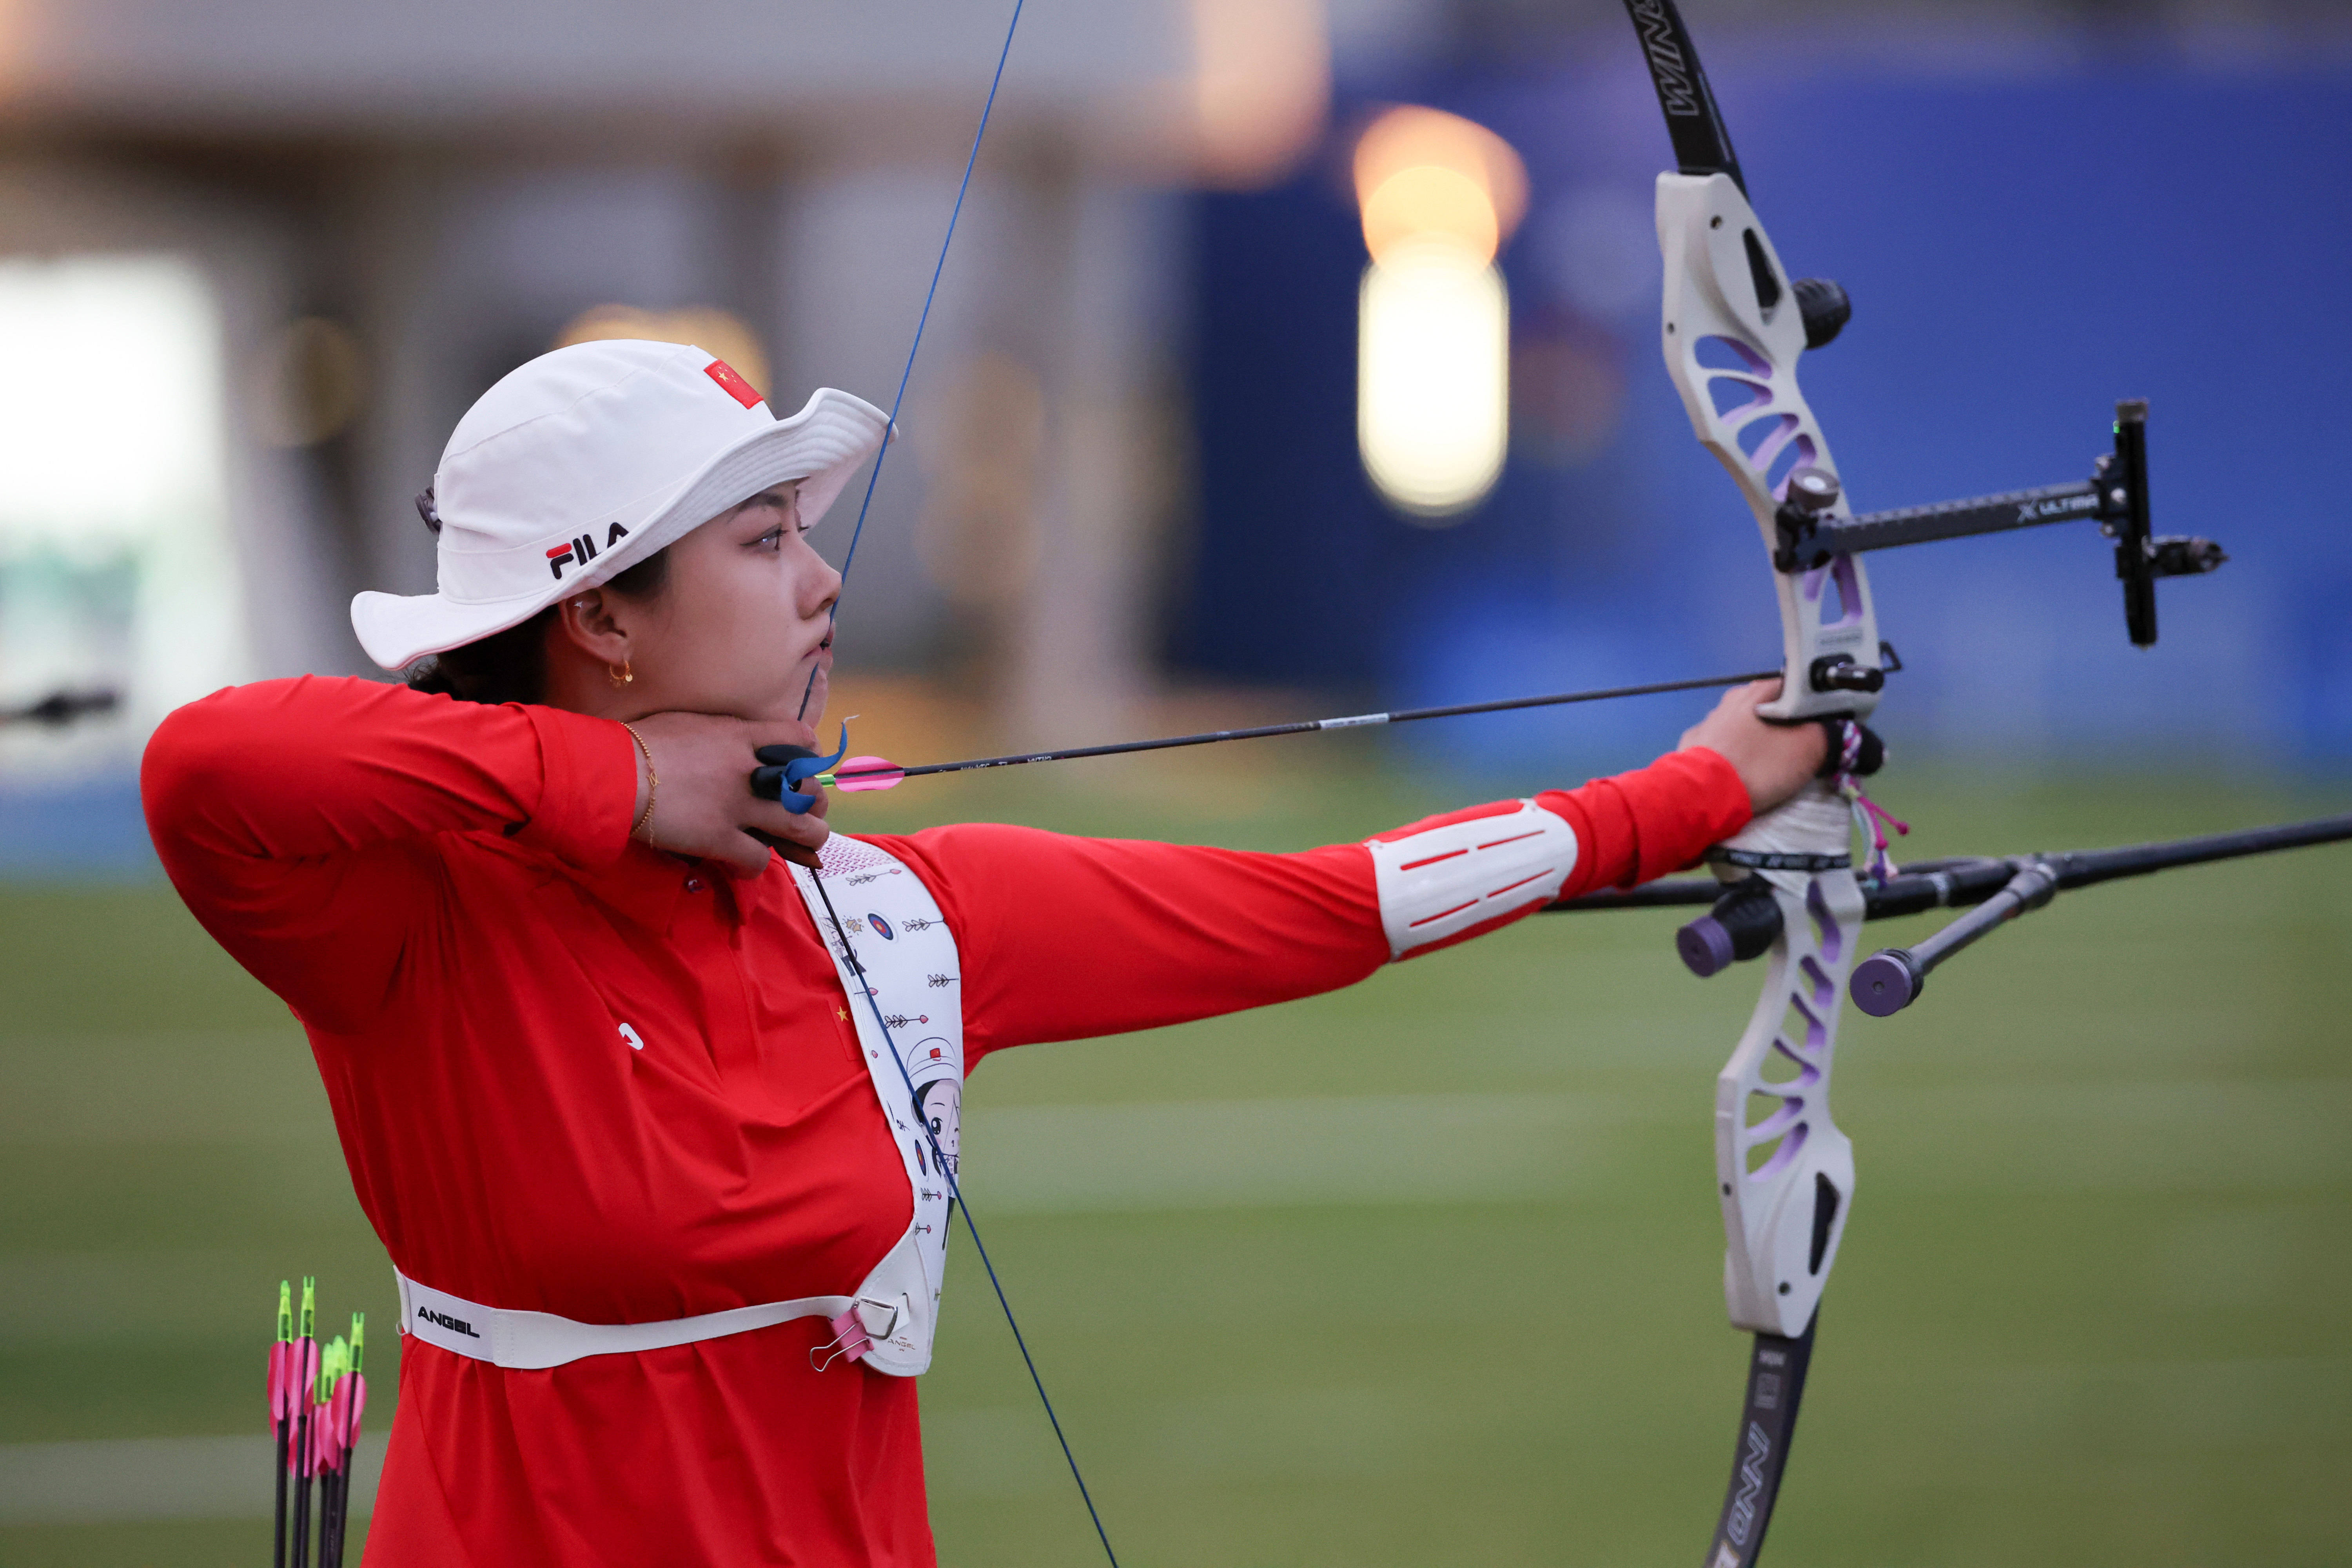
(2235, 1135)
(99, 1482)
(1239, 1153)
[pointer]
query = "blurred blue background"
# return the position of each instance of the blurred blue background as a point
(1131, 499)
(2024, 242)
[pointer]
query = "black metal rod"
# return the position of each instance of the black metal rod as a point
(1673, 893)
(1304, 726)
(1892, 978)
(2002, 888)
(1958, 882)
(1923, 885)
(2084, 868)
(2003, 513)
(2133, 529)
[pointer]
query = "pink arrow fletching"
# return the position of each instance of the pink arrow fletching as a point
(884, 774)
(356, 1410)
(302, 1378)
(282, 1381)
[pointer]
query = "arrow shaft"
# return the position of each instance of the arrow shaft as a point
(1307, 726)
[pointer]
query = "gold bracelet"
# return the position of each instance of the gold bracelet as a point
(653, 780)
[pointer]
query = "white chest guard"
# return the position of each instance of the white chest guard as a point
(913, 981)
(899, 935)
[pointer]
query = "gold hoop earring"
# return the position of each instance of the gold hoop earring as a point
(621, 677)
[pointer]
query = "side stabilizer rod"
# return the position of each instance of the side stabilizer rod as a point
(1890, 980)
(1743, 919)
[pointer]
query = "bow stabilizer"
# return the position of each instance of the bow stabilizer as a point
(1733, 327)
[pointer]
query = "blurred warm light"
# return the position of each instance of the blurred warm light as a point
(1439, 195)
(1433, 379)
(720, 332)
(313, 383)
(1422, 173)
(1261, 87)
(110, 412)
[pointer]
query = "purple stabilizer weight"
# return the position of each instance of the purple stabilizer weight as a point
(1885, 982)
(1705, 946)
(1743, 925)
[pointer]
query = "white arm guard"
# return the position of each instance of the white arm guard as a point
(1442, 881)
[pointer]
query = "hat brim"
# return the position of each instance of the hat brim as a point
(824, 445)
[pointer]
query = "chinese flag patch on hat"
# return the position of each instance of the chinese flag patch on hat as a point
(742, 391)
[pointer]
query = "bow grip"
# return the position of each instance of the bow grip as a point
(1870, 751)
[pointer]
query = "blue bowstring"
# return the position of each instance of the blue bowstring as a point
(947, 1169)
(938, 268)
(857, 969)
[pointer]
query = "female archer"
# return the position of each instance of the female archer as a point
(652, 1135)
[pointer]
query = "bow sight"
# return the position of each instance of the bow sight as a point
(2115, 497)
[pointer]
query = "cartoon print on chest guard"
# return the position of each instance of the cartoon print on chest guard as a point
(940, 1104)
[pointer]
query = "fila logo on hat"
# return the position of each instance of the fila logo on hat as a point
(582, 550)
(586, 460)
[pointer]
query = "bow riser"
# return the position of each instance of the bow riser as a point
(1732, 333)
(1783, 1219)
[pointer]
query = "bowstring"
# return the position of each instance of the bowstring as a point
(947, 1169)
(816, 878)
(892, 434)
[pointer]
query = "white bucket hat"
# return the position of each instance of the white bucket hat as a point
(589, 460)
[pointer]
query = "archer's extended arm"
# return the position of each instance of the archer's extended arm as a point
(1066, 938)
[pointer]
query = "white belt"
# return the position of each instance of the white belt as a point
(534, 1340)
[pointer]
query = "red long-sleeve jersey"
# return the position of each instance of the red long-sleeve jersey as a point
(446, 896)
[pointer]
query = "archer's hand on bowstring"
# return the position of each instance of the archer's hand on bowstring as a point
(704, 807)
(1774, 761)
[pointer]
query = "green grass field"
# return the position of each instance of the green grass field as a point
(1427, 1272)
